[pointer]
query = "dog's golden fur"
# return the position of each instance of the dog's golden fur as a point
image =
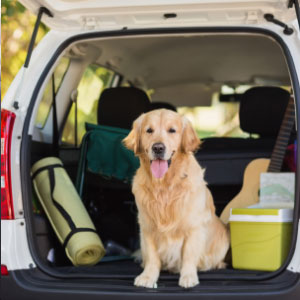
(178, 226)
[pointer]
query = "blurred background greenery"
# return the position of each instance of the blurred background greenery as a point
(16, 29)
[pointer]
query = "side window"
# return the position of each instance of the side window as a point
(46, 102)
(94, 80)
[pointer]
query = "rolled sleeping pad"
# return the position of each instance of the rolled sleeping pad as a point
(66, 212)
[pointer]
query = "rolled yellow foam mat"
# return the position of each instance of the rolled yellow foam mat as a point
(66, 212)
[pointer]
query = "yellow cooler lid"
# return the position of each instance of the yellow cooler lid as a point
(276, 215)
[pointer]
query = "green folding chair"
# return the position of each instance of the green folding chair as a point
(103, 153)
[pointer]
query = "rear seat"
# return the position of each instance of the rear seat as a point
(119, 107)
(166, 105)
(261, 112)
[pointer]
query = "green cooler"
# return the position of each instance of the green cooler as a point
(260, 237)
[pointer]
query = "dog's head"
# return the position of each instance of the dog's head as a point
(159, 136)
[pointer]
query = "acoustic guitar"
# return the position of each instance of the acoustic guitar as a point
(249, 194)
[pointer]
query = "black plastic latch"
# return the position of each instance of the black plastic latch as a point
(16, 105)
(287, 30)
(170, 15)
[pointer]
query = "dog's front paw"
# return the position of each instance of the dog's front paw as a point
(188, 280)
(145, 280)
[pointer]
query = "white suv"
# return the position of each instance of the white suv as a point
(195, 56)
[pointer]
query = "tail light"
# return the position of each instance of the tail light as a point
(4, 271)
(7, 123)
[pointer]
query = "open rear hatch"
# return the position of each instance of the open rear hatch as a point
(79, 15)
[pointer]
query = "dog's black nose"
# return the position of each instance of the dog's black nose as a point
(158, 148)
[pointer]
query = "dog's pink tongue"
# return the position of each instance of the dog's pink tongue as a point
(159, 168)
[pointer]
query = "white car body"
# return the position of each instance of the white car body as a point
(72, 18)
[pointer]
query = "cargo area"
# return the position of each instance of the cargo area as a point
(233, 87)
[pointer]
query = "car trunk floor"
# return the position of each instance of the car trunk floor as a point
(130, 269)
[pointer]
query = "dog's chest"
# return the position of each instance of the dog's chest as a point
(165, 209)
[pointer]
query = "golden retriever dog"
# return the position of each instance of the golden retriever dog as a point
(179, 230)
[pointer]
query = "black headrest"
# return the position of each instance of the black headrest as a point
(262, 110)
(120, 106)
(158, 105)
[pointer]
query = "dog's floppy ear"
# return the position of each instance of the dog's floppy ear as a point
(132, 141)
(189, 140)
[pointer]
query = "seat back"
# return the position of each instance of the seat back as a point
(261, 112)
(119, 107)
(102, 152)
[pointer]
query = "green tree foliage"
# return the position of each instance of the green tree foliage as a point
(16, 29)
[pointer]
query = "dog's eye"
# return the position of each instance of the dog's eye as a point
(171, 130)
(149, 130)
